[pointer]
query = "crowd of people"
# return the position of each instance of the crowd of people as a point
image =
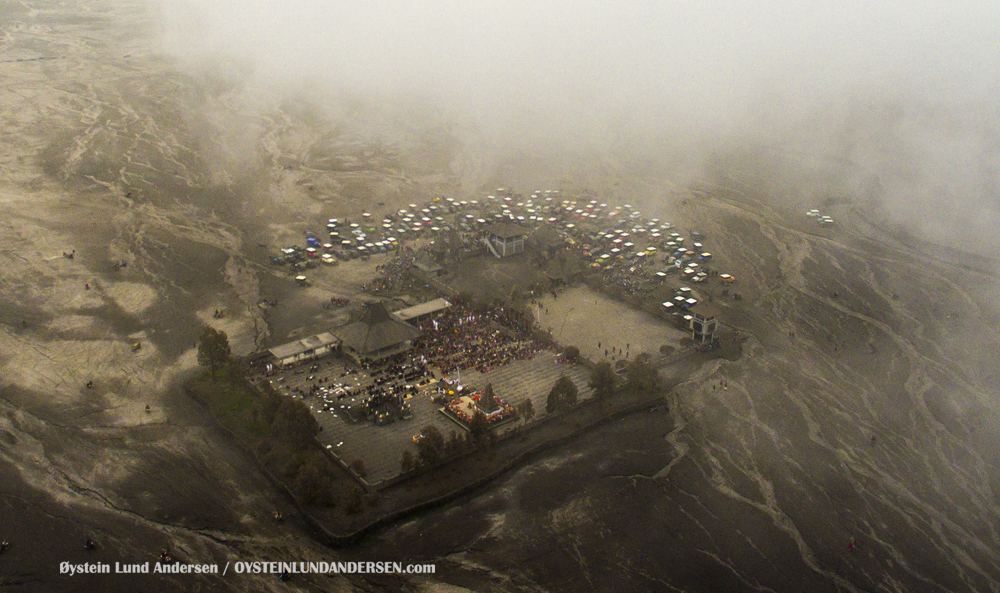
(392, 275)
(387, 384)
(485, 339)
(462, 338)
(630, 278)
(394, 377)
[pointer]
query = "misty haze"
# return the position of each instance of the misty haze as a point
(522, 296)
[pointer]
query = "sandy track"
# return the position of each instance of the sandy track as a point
(765, 469)
(755, 483)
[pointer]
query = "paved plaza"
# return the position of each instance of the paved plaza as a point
(584, 318)
(532, 378)
(380, 447)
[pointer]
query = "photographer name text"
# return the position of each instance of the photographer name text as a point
(141, 568)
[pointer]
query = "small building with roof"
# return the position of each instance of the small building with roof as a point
(422, 310)
(704, 322)
(377, 335)
(430, 269)
(564, 268)
(506, 239)
(305, 349)
(547, 240)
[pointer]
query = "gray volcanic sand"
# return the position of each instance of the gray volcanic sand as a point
(760, 484)
(111, 151)
(583, 318)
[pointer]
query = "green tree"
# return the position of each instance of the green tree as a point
(479, 429)
(541, 336)
(430, 449)
(294, 424)
(602, 381)
(455, 444)
(571, 354)
(406, 462)
(641, 375)
(286, 462)
(527, 410)
(562, 396)
(270, 402)
(570, 392)
(213, 349)
(312, 481)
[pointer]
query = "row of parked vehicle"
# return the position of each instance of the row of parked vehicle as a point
(821, 219)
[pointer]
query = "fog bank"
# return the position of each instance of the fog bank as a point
(901, 91)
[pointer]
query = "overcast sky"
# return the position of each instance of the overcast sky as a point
(589, 70)
(711, 61)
